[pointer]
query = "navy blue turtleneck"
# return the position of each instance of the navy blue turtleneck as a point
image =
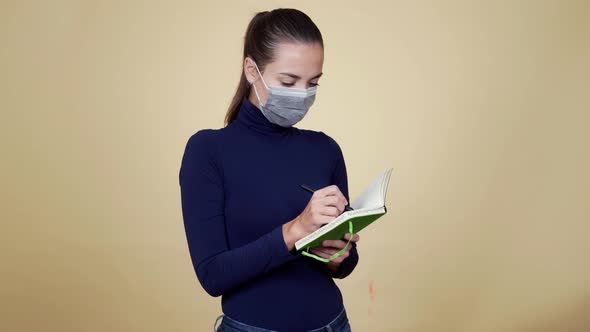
(239, 185)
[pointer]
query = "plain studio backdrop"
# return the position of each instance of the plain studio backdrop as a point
(482, 108)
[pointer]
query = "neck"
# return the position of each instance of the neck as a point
(253, 99)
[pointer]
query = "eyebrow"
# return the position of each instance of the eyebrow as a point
(297, 77)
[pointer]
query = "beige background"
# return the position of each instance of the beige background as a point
(481, 108)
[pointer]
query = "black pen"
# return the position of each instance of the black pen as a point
(346, 207)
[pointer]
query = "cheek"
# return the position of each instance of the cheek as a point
(261, 90)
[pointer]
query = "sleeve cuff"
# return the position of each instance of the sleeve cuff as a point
(279, 249)
(348, 265)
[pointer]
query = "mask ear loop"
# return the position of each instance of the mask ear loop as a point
(325, 260)
(258, 70)
(256, 90)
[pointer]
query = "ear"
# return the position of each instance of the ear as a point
(250, 70)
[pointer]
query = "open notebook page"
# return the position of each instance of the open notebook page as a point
(374, 194)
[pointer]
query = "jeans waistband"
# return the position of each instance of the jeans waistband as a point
(336, 324)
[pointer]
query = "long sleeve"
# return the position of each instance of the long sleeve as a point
(340, 178)
(218, 268)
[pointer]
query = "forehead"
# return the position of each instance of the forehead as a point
(305, 60)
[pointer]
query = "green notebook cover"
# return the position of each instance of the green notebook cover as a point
(337, 233)
(368, 207)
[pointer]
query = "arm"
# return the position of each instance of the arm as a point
(218, 268)
(340, 178)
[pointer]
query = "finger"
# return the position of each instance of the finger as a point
(341, 200)
(338, 201)
(330, 211)
(335, 261)
(355, 238)
(334, 201)
(316, 252)
(323, 253)
(332, 190)
(329, 251)
(334, 243)
(329, 205)
(328, 190)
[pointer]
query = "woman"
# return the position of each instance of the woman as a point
(242, 201)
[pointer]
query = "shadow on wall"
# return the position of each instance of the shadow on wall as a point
(567, 318)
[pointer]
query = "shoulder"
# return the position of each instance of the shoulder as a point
(204, 142)
(332, 144)
(325, 142)
(204, 138)
(320, 137)
(200, 151)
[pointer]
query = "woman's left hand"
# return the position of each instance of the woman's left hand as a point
(330, 247)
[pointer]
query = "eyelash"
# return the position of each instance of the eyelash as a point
(291, 84)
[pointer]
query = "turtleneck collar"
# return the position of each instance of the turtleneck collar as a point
(251, 116)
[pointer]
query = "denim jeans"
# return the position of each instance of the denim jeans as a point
(338, 324)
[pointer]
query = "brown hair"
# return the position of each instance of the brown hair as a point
(265, 31)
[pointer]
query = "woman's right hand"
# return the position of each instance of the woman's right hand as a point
(324, 206)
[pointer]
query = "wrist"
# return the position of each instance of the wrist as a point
(292, 233)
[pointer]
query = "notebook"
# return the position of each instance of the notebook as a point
(367, 207)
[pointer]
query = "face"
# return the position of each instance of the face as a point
(295, 65)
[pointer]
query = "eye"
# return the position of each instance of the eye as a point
(291, 84)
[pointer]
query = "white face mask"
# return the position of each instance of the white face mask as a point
(285, 106)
